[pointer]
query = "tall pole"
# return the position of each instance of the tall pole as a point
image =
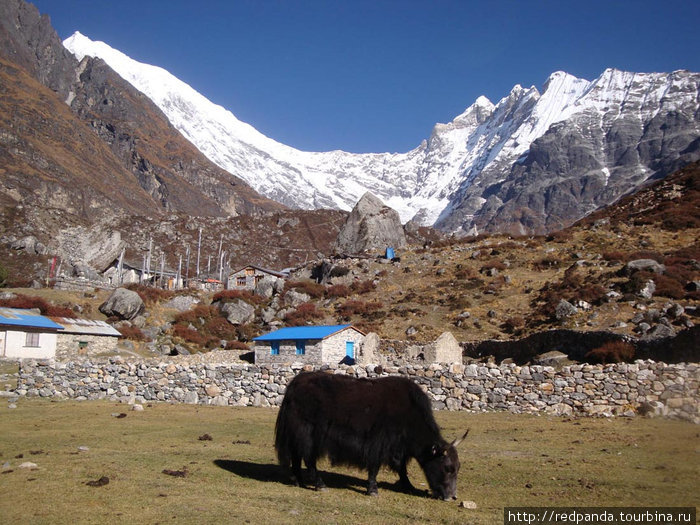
(199, 249)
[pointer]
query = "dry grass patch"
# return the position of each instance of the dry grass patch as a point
(507, 460)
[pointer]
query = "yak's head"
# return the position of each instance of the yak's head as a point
(441, 468)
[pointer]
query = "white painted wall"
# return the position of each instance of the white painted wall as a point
(15, 345)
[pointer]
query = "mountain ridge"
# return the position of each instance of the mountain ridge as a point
(451, 179)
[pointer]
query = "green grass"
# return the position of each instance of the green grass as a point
(507, 460)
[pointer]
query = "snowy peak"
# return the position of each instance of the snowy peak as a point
(456, 176)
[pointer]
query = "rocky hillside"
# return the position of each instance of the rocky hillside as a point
(631, 270)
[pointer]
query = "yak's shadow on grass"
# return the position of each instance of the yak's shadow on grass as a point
(273, 473)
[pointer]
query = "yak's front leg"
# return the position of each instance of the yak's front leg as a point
(404, 482)
(372, 489)
(315, 475)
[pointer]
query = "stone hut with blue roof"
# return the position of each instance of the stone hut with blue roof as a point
(327, 344)
(27, 334)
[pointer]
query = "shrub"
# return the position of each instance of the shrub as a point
(612, 352)
(354, 307)
(220, 328)
(198, 313)
(310, 288)
(514, 324)
(149, 294)
(303, 314)
(29, 302)
(189, 335)
(227, 296)
(362, 287)
(337, 290)
(546, 263)
(236, 345)
(133, 333)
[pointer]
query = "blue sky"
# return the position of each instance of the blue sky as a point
(376, 75)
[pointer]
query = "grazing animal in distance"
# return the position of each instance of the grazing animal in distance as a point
(365, 423)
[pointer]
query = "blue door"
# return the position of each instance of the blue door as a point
(350, 349)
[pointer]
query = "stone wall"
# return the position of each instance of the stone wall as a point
(71, 345)
(620, 389)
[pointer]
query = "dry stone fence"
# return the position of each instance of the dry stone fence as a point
(643, 387)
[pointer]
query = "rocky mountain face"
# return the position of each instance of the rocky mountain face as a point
(97, 144)
(531, 163)
(81, 149)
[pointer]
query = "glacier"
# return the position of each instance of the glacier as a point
(454, 172)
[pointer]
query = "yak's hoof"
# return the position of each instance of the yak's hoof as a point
(372, 492)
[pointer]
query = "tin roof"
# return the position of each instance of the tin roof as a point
(22, 318)
(293, 333)
(86, 326)
(260, 268)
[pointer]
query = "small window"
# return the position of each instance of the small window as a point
(82, 344)
(275, 348)
(32, 339)
(241, 281)
(301, 347)
(250, 271)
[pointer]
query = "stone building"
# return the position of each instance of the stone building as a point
(26, 334)
(329, 344)
(248, 277)
(84, 337)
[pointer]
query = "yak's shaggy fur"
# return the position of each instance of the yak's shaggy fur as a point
(366, 423)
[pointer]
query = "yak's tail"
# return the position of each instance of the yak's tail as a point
(283, 428)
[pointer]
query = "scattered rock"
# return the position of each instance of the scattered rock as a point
(118, 415)
(104, 480)
(649, 265)
(28, 465)
(205, 437)
(467, 505)
(564, 310)
(137, 408)
(176, 473)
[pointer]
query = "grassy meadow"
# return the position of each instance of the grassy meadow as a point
(222, 467)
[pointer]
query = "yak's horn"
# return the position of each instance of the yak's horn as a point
(456, 442)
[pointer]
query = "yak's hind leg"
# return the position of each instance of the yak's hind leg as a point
(315, 474)
(297, 477)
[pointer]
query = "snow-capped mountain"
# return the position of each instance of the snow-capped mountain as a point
(533, 162)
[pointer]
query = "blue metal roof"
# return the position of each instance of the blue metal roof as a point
(293, 333)
(26, 318)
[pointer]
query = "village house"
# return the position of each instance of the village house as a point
(249, 276)
(27, 334)
(84, 337)
(310, 345)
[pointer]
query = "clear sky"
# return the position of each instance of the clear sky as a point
(376, 75)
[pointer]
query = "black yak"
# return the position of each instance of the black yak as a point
(366, 423)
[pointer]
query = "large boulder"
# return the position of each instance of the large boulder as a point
(445, 349)
(238, 312)
(371, 226)
(123, 303)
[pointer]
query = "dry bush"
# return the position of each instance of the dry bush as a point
(200, 311)
(362, 287)
(133, 333)
(612, 352)
(337, 290)
(190, 335)
(304, 313)
(236, 345)
(227, 296)
(546, 263)
(514, 324)
(27, 302)
(149, 294)
(220, 328)
(310, 288)
(354, 307)
(493, 265)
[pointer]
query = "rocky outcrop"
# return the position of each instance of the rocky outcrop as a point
(371, 226)
(123, 303)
